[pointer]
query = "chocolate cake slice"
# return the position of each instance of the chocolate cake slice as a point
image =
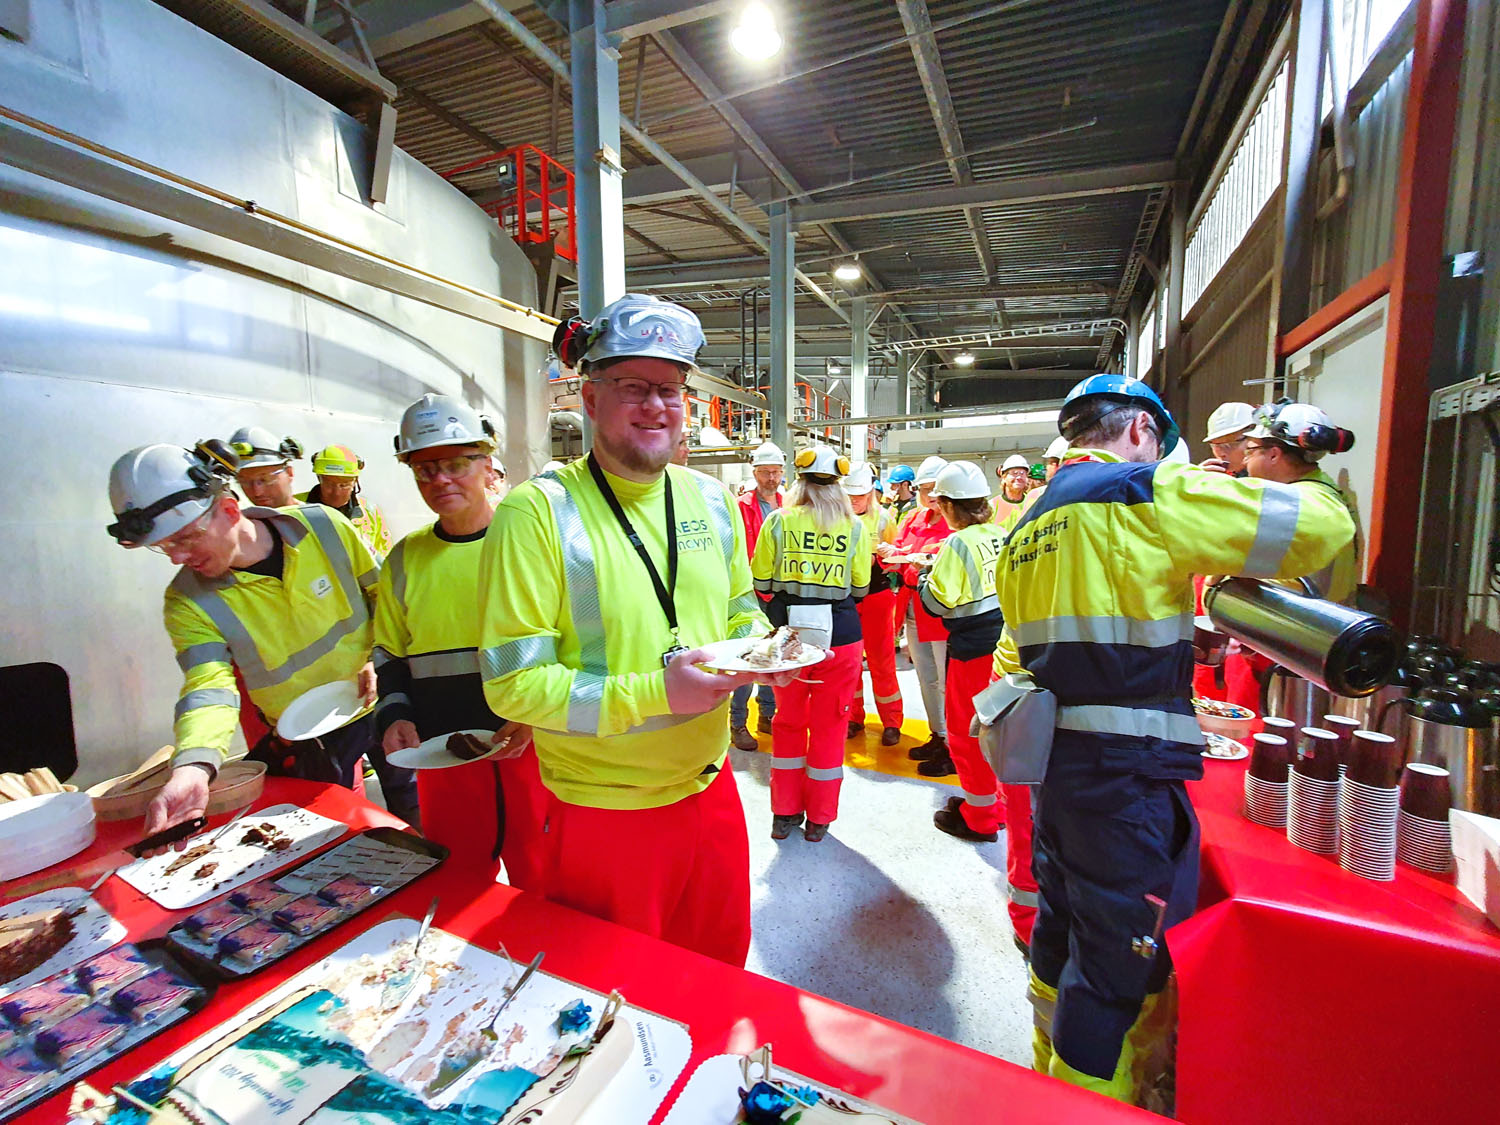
(28, 940)
(466, 746)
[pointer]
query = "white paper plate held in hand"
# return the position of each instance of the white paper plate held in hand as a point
(434, 754)
(729, 656)
(321, 711)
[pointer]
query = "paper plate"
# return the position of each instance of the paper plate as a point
(728, 656)
(325, 708)
(1239, 750)
(40, 831)
(433, 754)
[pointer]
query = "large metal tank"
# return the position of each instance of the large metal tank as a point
(119, 328)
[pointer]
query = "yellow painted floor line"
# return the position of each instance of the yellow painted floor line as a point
(866, 753)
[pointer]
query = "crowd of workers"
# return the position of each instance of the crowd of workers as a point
(571, 621)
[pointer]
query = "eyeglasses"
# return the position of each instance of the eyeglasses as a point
(454, 468)
(1228, 443)
(1256, 448)
(636, 391)
(188, 537)
(263, 478)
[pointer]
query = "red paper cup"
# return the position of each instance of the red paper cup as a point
(1317, 754)
(1426, 791)
(1344, 727)
(1374, 759)
(1270, 757)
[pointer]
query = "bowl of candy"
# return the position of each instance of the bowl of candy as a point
(1229, 719)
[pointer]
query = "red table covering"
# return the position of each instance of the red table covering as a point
(726, 1009)
(1311, 994)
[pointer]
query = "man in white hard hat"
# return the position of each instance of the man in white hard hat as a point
(877, 615)
(1286, 445)
(285, 595)
(920, 534)
(1014, 477)
(265, 472)
(426, 646)
(767, 466)
(1052, 459)
(599, 585)
(1228, 427)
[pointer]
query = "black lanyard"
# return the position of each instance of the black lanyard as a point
(664, 594)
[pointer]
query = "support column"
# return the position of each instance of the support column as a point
(859, 376)
(597, 170)
(783, 324)
(906, 361)
(1176, 280)
(1132, 338)
(1304, 124)
(1421, 208)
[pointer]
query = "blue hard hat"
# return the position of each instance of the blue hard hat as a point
(902, 473)
(1121, 389)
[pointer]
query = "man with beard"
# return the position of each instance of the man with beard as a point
(1014, 485)
(599, 584)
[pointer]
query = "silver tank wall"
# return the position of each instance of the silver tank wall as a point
(118, 328)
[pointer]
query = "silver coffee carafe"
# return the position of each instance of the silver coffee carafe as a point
(1455, 733)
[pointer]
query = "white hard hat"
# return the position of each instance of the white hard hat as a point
(1056, 450)
(634, 325)
(962, 480)
(157, 490)
(256, 446)
(1179, 453)
(1302, 425)
(1015, 461)
(768, 453)
(820, 459)
(1229, 419)
(435, 420)
(860, 479)
(928, 470)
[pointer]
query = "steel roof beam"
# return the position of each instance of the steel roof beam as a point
(630, 19)
(917, 21)
(1027, 189)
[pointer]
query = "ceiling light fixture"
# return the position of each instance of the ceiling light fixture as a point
(964, 359)
(847, 271)
(835, 369)
(755, 36)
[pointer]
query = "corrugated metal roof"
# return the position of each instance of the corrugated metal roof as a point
(1038, 87)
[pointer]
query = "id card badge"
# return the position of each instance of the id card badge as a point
(671, 654)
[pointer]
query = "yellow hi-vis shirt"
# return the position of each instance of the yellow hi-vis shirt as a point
(795, 556)
(427, 635)
(571, 635)
(879, 525)
(960, 588)
(1339, 580)
(1095, 582)
(311, 626)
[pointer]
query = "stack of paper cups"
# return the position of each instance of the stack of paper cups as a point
(1266, 780)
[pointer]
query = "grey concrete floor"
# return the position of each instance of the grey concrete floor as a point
(887, 913)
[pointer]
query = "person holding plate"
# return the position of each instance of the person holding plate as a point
(813, 559)
(427, 640)
(600, 582)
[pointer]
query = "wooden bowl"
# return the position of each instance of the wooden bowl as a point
(126, 797)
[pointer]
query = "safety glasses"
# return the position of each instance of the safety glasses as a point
(454, 468)
(635, 391)
(188, 537)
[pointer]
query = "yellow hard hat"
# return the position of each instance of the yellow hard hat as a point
(337, 461)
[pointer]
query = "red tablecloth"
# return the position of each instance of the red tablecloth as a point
(1310, 994)
(726, 1009)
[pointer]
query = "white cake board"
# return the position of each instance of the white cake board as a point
(238, 863)
(94, 931)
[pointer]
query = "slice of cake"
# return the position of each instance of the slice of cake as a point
(28, 940)
(779, 647)
(466, 746)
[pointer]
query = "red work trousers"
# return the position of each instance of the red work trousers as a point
(1021, 880)
(808, 734)
(680, 872)
(982, 809)
(877, 621)
(461, 807)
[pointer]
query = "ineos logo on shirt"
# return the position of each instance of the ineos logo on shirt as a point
(694, 535)
(322, 587)
(818, 541)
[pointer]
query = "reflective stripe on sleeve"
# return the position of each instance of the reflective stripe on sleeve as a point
(745, 603)
(1133, 722)
(396, 698)
(930, 601)
(966, 556)
(1103, 630)
(395, 566)
(512, 656)
(459, 662)
(579, 573)
(380, 656)
(1274, 531)
(983, 605)
(209, 652)
(206, 697)
(831, 773)
(584, 702)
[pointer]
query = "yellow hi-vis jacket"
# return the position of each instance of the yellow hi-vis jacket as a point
(1096, 586)
(310, 627)
(880, 526)
(1339, 580)
(571, 635)
(960, 588)
(799, 563)
(427, 635)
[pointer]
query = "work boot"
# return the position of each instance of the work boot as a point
(814, 832)
(763, 724)
(890, 736)
(934, 747)
(951, 820)
(856, 729)
(743, 739)
(937, 767)
(781, 826)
